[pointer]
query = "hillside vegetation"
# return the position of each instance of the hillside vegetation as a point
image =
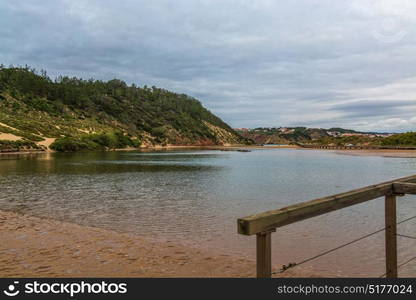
(332, 136)
(77, 114)
(266, 135)
(402, 139)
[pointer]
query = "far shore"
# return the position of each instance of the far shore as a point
(379, 152)
(40, 247)
(167, 147)
(353, 152)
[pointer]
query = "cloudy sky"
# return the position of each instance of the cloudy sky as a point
(313, 63)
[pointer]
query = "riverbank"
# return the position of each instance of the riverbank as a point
(380, 152)
(353, 152)
(170, 147)
(35, 247)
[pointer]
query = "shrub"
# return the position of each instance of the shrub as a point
(401, 139)
(73, 144)
(94, 142)
(18, 145)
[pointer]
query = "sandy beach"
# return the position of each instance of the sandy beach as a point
(34, 247)
(381, 152)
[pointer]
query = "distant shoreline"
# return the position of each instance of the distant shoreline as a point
(212, 147)
(380, 152)
(353, 152)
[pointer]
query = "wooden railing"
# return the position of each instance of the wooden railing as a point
(263, 224)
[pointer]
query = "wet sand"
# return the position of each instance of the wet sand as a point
(35, 247)
(381, 152)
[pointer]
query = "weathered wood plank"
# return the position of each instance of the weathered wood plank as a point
(276, 218)
(264, 254)
(390, 236)
(404, 188)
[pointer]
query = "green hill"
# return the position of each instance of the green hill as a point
(319, 136)
(285, 135)
(73, 114)
(400, 139)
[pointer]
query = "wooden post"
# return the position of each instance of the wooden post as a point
(391, 239)
(264, 254)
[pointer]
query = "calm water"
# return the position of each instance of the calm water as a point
(194, 197)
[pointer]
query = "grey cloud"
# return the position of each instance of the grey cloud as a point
(255, 63)
(358, 109)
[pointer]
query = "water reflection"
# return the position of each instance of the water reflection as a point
(102, 162)
(169, 194)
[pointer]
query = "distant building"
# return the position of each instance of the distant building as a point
(286, 130)
(334, 133)
(354, 134)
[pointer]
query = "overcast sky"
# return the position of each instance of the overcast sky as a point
(252, 62)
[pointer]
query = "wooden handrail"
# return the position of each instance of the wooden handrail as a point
(404, 188)
(276, 218)
(264, 224)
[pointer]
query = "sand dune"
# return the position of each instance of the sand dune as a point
(46, 142)
(381, 152)
(9, 137)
